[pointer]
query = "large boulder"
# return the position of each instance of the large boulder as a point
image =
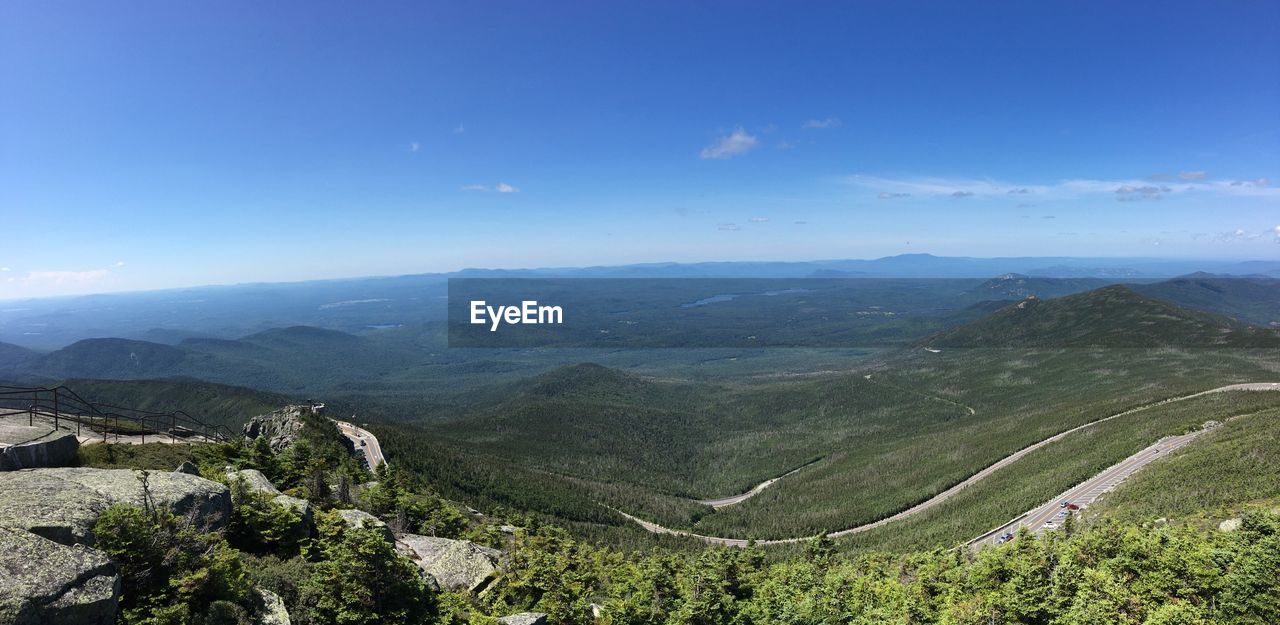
(43, 582)
(454, 564)
(525, 618)
(62, 504)
(280, 428)
(26, 447)
(360, 518)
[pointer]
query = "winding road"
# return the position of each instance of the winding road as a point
(365, 443)
(1084, 492)
(1129, 463)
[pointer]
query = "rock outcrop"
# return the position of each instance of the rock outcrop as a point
(45, 582)
(273, 611)
(525, 618)
(187, 467)
(63, 504)
(26, 447)
(454, 564)
(280, 428)
(360, 518)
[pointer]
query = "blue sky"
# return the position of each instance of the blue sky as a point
(159, 144)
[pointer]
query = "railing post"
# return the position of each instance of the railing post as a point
(55, 409)
(173, 427)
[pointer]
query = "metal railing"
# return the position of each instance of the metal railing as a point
(64, 407)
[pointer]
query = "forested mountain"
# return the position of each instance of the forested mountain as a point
(1113, 316)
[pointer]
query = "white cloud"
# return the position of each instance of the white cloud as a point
(885, 195)
(830, 122)
(461, 128)
(119, 263)
(1192, 175)
(962, 194)
(503, 187)
(474, 187)
(728, 227)
(758, 220)
(734, 144)
(4, 269)
(414, 146)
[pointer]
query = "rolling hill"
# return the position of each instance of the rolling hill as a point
(1113, 316)
(1254, 300)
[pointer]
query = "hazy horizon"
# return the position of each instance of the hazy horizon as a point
(1156, 268)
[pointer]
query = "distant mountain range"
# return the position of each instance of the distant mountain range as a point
(355, 305)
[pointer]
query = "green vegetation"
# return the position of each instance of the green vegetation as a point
(1109, 572)
(565, 441)
(172, 573)
(151, 456)
(1235, 466)
(1044, 473)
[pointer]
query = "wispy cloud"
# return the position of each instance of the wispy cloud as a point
(1119, 189)
(817, 124)
(3, 269)
(729, 227)
(119, 263)
(61, 278)
(414, 146)
(1240, 235)
(733, 144)
(1257, 182)
(501, 187)
(758, 220)
(459, 129)
(1130, 193)
(1192, 175)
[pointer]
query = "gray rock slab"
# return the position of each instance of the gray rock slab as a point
(46, 582)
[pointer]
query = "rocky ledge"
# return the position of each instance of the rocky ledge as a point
(24, 446)
(62, 504)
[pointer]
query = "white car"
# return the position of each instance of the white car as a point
(1050, 526)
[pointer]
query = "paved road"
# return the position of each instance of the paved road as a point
(364, 441)
(1085, 493)
(947, 494)
(736, 499)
